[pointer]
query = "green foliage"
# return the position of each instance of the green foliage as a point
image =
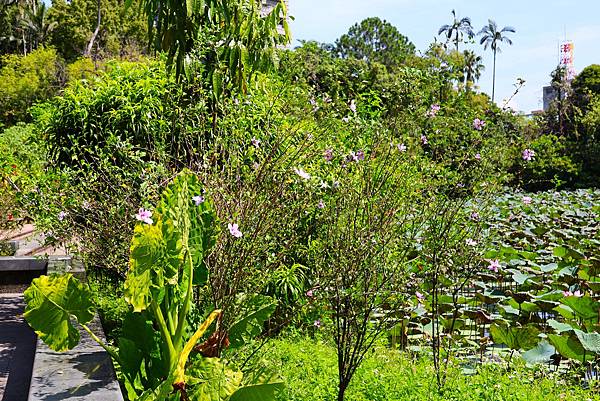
(130, 106)
(584, 307)
(309, 369)
(233, 38)
(553, 165)
(22, 162)
(255, 311)
(167, 253)
(586, 85)
(374, 40)
(81, 69)
(10, 40)
(121, 33)
(515, 338)
(51, 302)
(569, 347)
(25, 80)
(24, 26)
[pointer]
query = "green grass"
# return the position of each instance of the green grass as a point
(310, 372)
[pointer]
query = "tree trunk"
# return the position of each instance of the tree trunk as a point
(341, 391)
(90, 45)
(494, 78)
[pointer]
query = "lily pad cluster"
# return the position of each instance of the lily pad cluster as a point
(542, 299)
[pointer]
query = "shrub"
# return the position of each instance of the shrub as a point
(132, 104)
(22, 162)
(25, 80)
(110, 140)
(553, 165)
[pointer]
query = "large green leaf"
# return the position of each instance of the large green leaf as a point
(584, 307)
(258, 392)
(570, 347)
(255, 310)
(192, 223)
(589, 341)
(260, 384)
(140, 344)
(540, 354)
(565, 311)
(209, 380)
(559, 327)
(515, 337)
(145, 252)
(52, 301)
(182, 231)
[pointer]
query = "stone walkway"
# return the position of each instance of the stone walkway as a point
(31, 242)
(17, 349)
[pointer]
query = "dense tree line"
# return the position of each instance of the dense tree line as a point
(95, 28)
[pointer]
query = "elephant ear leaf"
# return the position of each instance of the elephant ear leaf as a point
(146, 251)
(191, 218)
(51, 303)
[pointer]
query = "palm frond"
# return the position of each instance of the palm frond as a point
(443, 28)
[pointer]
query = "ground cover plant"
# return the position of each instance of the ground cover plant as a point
(309, 368)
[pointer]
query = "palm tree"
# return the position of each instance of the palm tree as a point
(35, 20)
(457, 29)
(473, 67)
(491, 37)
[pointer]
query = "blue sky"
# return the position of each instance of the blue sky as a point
(540, 26)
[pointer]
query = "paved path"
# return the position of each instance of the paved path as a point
(17, 349)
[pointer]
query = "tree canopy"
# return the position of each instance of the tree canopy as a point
(586, 84)
(375, 40)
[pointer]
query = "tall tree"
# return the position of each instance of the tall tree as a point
(119, 33)
(473, 67)
(586, 85)
(457, 28)
(375, 40)
(36, 22)
(90, 45)
(491, 37)
(10, 38)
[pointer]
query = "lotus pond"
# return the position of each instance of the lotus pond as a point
(535, 294)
